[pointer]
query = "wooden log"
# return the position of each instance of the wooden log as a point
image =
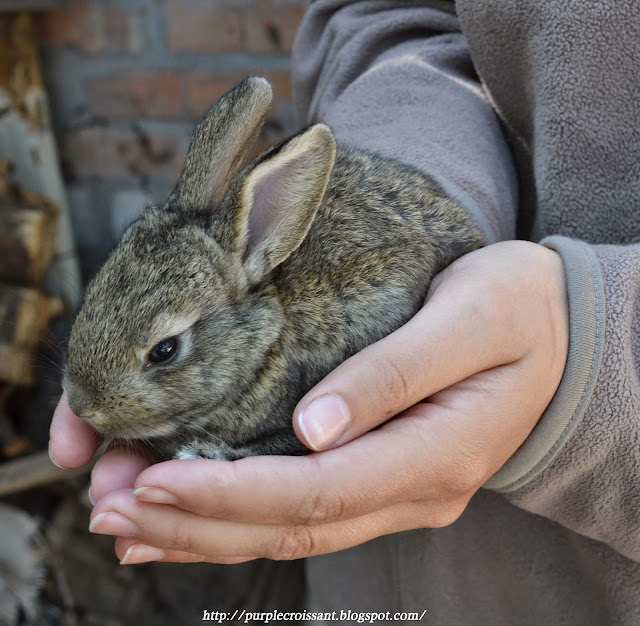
(26, 240)
(28, 142)
(11, 443)
(33, 471)
(27, 229)
(5, 172)
(24, 316)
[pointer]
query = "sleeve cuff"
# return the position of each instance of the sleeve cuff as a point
(585, 290)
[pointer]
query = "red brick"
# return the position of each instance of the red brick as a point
(281, 83)
(98, 151)
(137, 93)
(92, 28)
(202, 88)
(203, 27)
(272, 29)
(171, 93)
(124, 31)
(79, 26)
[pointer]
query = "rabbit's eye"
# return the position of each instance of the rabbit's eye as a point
(164, 351)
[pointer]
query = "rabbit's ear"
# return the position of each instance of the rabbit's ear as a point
(220, 144)
(277, 201)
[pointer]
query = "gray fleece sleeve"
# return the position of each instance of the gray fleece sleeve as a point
(583, 470)
(564, 77)
(394, 77)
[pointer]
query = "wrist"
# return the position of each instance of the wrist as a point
(585, 315)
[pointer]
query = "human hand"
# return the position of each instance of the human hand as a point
(468, 378)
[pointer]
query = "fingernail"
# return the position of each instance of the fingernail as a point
(141, 553)
(324, 421)
(112, 523)
(53, 460)
(155, 495)
(90, 495)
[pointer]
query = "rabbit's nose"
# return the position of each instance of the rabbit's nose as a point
(80, 403)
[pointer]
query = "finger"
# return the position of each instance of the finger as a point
(169, 528)
(381, 468)
(117, 468)
(131, 552)
(72, 441)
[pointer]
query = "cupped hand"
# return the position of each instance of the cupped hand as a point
(467, 379)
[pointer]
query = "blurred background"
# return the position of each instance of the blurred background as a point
(98, 100)
(127, 80)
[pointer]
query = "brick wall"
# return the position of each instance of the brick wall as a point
(128, 80)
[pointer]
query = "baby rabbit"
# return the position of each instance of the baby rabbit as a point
(221, 308)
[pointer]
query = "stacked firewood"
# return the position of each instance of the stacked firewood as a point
(27, 232)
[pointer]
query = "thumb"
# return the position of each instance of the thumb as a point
(72, 440)
(449, 339)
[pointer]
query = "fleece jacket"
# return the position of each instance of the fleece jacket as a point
(528, 113)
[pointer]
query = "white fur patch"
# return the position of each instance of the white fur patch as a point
(201, 450)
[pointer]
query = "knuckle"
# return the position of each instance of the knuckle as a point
(439, 514)
(296, 542)
(319, 508)
(468, 478)
(180, 538)
(448, 513)
(464, 474)
(392, 383)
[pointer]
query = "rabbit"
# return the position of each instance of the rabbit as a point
(218, 310)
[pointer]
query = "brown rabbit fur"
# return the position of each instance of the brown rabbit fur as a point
(253, 284)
